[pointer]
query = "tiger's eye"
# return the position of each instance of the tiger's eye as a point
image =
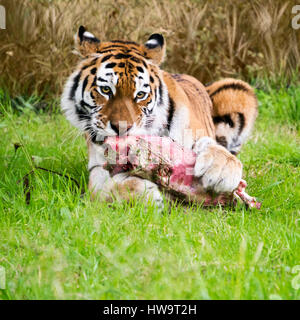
(140, 94)
(106, 90)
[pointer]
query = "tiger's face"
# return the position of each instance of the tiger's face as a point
(117, 88)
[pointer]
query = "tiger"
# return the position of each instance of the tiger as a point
(119, 88)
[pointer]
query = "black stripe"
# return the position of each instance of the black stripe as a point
(226, 119)
(106, 58)
(85, 67)
(151, 79)
(135, 59)
(82, 113)
(234, 86)
(105, 51)
(92, 94)
(75, 86)
(140, 69)
(83, 104)
(85, 82)
(93, 71)
(242, 122)
(160, 88)
(222, 141)
(90, 64)
(122, 56)
(135, 51)
(94, 84)
(145, 64)
(101, 79)
(121, 65)
(171, 111)
(93, 136)
(130, 66)
(95, 166)
(111, 65)
(149, 102)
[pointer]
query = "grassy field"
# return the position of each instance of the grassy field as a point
(62, 246)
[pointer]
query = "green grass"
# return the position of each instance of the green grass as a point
(62, 245)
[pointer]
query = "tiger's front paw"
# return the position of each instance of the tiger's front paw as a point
(123, 187)
(217, 168)
(149, 192)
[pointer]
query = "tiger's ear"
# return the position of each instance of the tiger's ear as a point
(86, 43)
(155, 48)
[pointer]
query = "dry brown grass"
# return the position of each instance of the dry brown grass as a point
(208, 39)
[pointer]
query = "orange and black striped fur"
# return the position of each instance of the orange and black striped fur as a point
(234, 112)
(118, 88)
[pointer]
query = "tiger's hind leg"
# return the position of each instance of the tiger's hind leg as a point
(234, 112)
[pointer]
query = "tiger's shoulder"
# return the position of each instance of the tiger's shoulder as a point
(191, 102)
(225, 110)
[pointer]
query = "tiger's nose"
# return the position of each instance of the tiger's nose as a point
(120, 127)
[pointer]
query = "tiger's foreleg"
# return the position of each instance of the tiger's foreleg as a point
(121, 186)
(216, 167)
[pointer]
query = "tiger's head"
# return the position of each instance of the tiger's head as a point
(117, 88)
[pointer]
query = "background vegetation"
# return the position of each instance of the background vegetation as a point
(207, 39)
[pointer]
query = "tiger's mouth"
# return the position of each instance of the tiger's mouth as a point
(98, 136)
